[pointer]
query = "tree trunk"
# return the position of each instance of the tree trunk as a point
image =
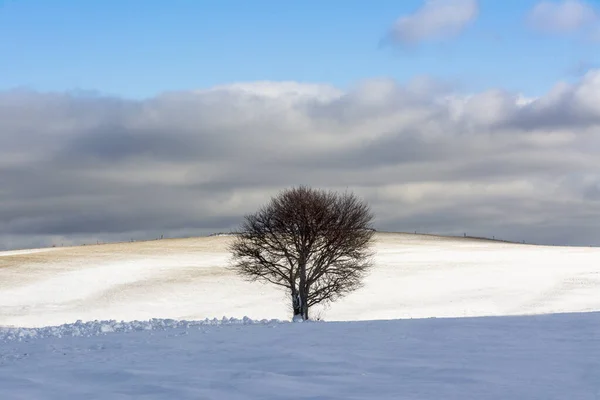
(303, 291)
(305, 311)
(296, 304)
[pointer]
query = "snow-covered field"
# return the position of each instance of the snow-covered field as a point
(415, 276)
(532, 357)
(491, 357)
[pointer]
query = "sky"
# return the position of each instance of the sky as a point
(141, 48)
(131, 120)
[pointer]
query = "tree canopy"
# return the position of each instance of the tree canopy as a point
(314, 243)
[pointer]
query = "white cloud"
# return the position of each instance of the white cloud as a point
(425, 157)
(292, 90)
(587, 95)
(562, 17)
(436, 19)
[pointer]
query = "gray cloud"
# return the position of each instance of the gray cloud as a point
(566, 16)
(76, 169)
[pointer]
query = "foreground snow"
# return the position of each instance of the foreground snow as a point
(414, 276)
(532, 357)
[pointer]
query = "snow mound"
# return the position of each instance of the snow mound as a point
(96, 328)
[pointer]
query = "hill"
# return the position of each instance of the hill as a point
(415, 276)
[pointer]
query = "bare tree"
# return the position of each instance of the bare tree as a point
(314, 243)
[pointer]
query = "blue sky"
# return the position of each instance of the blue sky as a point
(140, 48)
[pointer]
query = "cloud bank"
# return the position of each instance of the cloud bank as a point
(76, 169)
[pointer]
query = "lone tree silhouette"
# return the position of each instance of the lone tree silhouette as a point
(314, 243)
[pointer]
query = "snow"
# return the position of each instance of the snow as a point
(415, 276)
(24, 251)
(297, 318)
(95, 328)
(529, 357)
(136, 320)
